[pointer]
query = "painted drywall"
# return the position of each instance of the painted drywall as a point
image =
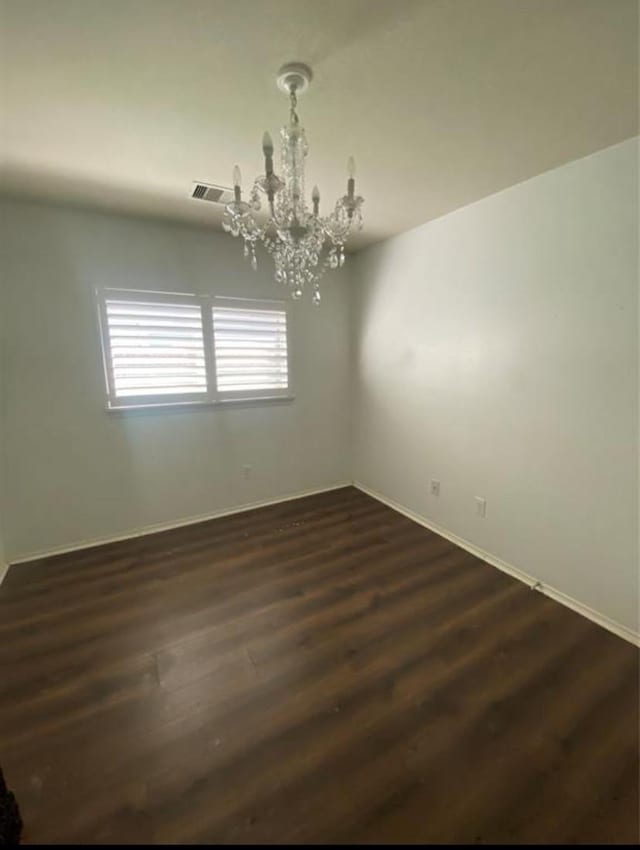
(442, 102)
(496, 351)
(76, 472)
(3, 563)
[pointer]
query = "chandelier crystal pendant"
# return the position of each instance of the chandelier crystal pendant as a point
(303, 243)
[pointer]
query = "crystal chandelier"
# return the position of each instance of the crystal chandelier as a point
(303, 243)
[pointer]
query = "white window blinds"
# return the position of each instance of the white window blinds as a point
(164, 349)
(156, 348)
(250, 350)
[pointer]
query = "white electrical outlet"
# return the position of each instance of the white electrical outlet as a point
(246, 471)
(434, 487)
(481, 506)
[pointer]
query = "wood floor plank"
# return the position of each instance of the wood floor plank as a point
(321, 670)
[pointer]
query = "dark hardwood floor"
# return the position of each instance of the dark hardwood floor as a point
(322, 670)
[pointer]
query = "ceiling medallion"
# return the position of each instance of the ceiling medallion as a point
(303, 243)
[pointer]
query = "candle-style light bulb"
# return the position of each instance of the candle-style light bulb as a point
(267, 149)
(267, 144)
(237, 177)
(351, 171)
(315, 197)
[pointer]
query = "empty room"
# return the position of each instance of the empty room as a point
(319, 422)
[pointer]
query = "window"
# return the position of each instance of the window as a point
(250, 347)
(154, 348)
(162, 349)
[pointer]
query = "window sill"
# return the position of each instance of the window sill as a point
(190, 406)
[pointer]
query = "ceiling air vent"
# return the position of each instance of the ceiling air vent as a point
(209, 192)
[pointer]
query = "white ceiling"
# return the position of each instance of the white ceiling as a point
(123, 103)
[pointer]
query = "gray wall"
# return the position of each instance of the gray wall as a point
(496, 351)
(3, 455)
(78, 473)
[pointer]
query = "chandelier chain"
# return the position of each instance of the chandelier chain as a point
(294, 103)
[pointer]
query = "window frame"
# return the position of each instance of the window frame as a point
(212, 396)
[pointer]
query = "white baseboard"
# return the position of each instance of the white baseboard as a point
(167, 526)
(564, 599)
(534, 583)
